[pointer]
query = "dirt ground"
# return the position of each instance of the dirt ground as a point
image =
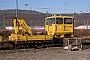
(51, 53)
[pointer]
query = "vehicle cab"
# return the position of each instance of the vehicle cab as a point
(59, 26)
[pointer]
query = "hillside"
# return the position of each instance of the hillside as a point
(35, 18)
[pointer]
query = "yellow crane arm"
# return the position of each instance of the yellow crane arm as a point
(19, 22)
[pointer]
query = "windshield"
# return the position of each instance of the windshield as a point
(50, 21)
(67, 20)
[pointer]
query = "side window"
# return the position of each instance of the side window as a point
(59, 20)
(47, 22)
(67, 20)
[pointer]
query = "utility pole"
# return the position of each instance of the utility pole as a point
(16, 8)
(87, 20)
(66, 5)
(87, 24)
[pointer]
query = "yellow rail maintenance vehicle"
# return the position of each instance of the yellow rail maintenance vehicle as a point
(56, 27)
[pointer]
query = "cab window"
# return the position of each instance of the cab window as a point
(67, 20)
(59, 20)
(47, 22)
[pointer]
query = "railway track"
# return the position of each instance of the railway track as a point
(32, 50)
(6, 46)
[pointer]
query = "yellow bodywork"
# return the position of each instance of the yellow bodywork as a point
(16, 37)
(20, 23)
(25, 34)
(59, 30)
(0, 38)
